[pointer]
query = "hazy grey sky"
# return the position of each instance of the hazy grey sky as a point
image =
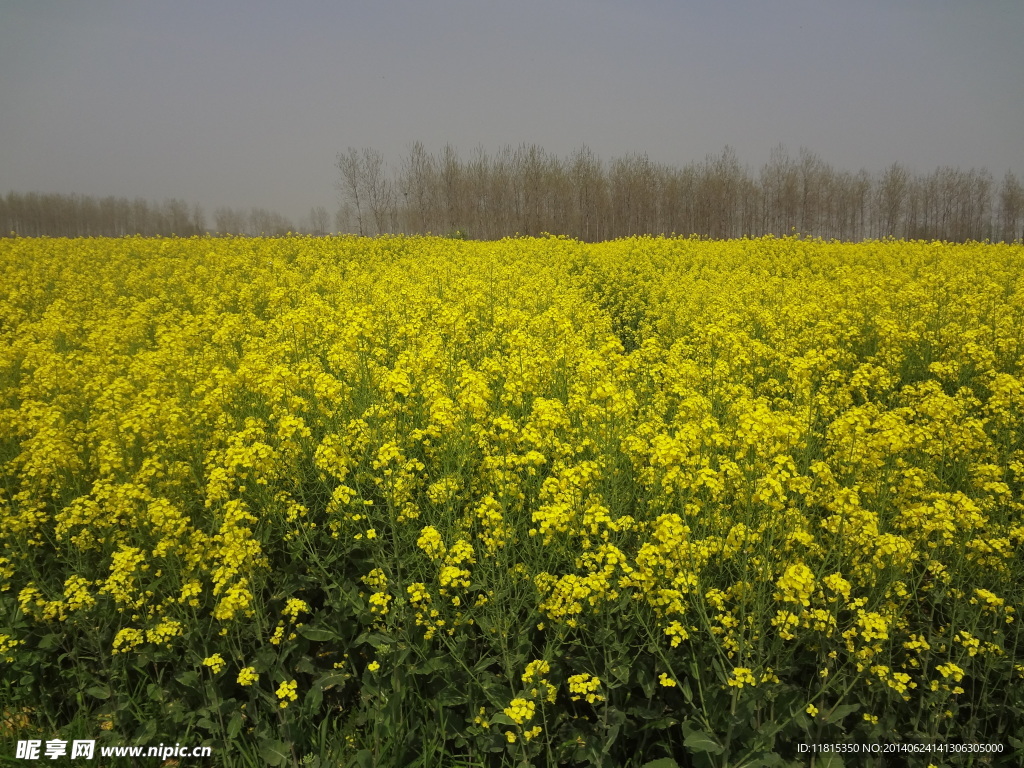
(248, 103)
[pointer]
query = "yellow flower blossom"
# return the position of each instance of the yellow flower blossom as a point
(215, 662)
(286, 693)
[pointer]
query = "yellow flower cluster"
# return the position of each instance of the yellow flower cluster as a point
(430, 541)
(741, 676)
(796, 585)
(766, 446)
(247, 676)
(585, 686)
(8, 644)
(521, 710)
(535, 676)
(215, 662)
(286, 693)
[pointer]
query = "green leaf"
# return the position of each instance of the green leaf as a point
(701, 741)
(662, 762)
(266, 658)
(189, 679)
(331, 679)
(485, 663)
(275, 753)
(838, 713)
(317, 635)
(376, 639)
(502, 719)
(314, 696)
(235, 725)
(687, 691)
(646, 711)
(768, 760)
(606, 637)
(147, 733)
(451, 697)
(830, 760)
(611, 736)
(433, 664)
(99, 692)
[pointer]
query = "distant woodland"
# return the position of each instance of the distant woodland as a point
(528, 191)
(58, 215)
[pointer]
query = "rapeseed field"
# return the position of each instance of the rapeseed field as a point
(422, 501)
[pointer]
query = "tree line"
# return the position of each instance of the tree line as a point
(528, 191)
(71, 215)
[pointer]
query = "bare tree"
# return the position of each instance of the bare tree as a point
(198, 218)
(319, 220)
(1011, 209)
(587, 179)
(893, 189)
(343, 218)
(781, 192)
(228, 221)
(450, 168)
(526, 190)
(379, 190)
(418, 184)
(352, 184)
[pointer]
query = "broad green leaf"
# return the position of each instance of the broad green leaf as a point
(700, 741)
(661, 762)
(376, 639)
(484, 663)
(235, 725)
(148, 732)
(837, 714)
(613, 734)
(275, 753)
(314, 696)
(620, 672)
(687, 691)
(317, 635)
(766, 760)
(433, 664)
(331, 679)
(450, 697)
